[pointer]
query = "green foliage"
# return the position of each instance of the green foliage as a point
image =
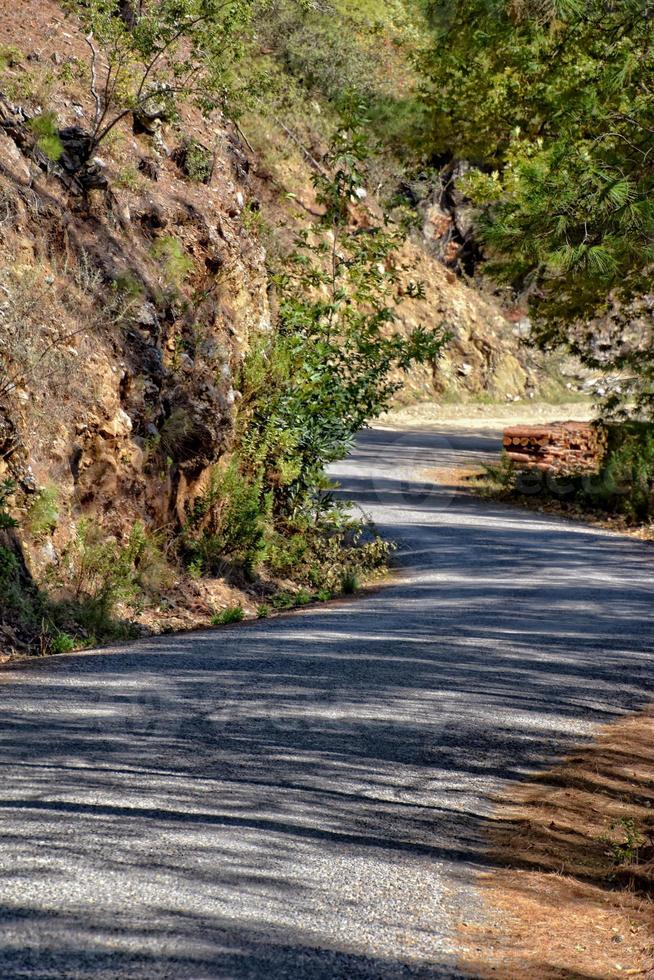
(349, 582)
(283, 600)
(226, 525)
(626, 482)
(263, 611)
(553, 102)
(335, 360)
(46, 129)
(19, 602)
(336, 52)
(502, 477)
(331, 365)
(8, 575)
(10, 56)
(43, 514)
(175, 262)
(95, 573)
(62, 643)
(128, 287)
(128, 178)
(176, 434)
(232, 614)
(7, 488)
(196, 161)
(624, 846)
(161, 53)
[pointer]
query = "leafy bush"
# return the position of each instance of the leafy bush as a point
(626, 482)
(226, 524)
(7, 488)
(232, 614)
(332, 365)
(62, 643)
(552, 102)
(196, 161)
(43, 514)
(96, 573)
(10, 56)
(129, 178)
(502, 477)
(46, 129)
(349, 582)
(157, 55)
(335, 360)
(175, 262)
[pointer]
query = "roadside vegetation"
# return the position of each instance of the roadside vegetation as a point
(551, 105)
(373, 96)
(266, 520)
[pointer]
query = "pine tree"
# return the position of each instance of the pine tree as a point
(553, 103)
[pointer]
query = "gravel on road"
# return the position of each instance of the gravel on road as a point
(306, 797)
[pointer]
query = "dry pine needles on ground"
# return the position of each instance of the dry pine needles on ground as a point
(571, 891)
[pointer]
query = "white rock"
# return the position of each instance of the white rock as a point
(123, 417)
(49, 552)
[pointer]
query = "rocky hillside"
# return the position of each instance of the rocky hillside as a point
(129, 299)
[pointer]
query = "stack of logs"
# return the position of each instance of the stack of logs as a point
(560, 447)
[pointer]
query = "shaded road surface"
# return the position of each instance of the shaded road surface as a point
(304, 798)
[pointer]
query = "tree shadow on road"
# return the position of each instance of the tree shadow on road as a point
(267, 771)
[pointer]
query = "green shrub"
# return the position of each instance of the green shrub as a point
(196, 160)
(226, 524)
(283, 600)
(46, 129)
(96, 573)
(128, 178)
(128, 286)
(10, 56)
(7, 488)
(232, 614)
(175, 262)
(626, 481)
(62, 643)
(43, 514)
(263, 611)
(8, 575)
(500, 478)
(349, 582)
(176, 434)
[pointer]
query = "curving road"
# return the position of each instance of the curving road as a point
(305, 797)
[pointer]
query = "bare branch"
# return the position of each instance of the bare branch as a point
(94, 82)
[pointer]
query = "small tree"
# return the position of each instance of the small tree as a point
(148, 55)
(336, 359)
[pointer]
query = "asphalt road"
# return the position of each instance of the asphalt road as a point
(305, 797)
